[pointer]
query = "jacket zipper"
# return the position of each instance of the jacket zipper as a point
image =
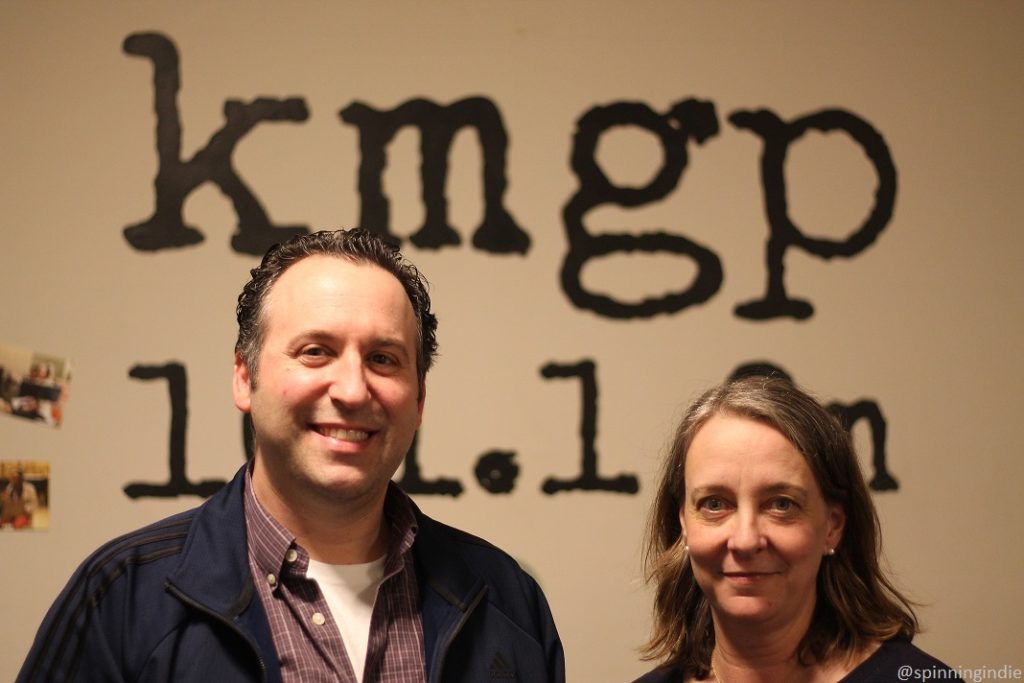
(443, 649)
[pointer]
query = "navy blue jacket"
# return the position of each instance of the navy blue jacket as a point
(175, 601)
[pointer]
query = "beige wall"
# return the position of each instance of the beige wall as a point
(928, 321)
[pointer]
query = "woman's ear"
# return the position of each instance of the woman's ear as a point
(836, 524)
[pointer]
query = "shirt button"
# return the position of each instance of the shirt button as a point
(291, 555)
(318, 619)
(271, 579)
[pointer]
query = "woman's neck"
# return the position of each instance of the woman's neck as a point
(755, 653)
(760, 660)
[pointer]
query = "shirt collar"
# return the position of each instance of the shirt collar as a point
(398, 511)
(270, 542)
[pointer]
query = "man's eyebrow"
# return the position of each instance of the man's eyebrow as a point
(307, 336)
(319, 335)
(391, 343)
(314, 334)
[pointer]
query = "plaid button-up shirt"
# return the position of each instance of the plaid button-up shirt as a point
(309, 645)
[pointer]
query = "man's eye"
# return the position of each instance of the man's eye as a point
(314, 351)
(382, 359)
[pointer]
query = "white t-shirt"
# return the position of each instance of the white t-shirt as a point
(350, 591)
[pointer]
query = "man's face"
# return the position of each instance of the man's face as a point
(338, 399)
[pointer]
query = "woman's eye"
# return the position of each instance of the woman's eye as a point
(712, 504)
(783, 504)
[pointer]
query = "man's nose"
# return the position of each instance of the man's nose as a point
(349, 384)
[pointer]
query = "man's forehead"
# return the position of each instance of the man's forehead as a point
(321, 278)
(311, 270)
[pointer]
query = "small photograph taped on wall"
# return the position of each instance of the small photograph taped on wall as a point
(24, 495)
(33, 386)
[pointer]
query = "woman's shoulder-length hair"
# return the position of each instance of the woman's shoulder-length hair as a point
(856, 603)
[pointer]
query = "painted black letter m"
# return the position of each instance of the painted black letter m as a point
(498, 233)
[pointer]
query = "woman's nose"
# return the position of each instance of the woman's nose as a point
(747, 535)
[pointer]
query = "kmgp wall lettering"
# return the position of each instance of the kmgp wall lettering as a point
(683, 125)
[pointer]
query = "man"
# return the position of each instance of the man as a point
(311, 565)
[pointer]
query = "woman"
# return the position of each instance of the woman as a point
(764, 544)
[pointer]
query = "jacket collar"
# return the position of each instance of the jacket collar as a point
(449, 589)
(440, 566)
(213, 575)
(214, 566)
(214, 572)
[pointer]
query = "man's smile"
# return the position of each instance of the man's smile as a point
(341, 433)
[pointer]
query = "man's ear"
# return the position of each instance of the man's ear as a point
(420, 401)
(241, 387)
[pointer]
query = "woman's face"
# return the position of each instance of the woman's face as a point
(756, 524)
